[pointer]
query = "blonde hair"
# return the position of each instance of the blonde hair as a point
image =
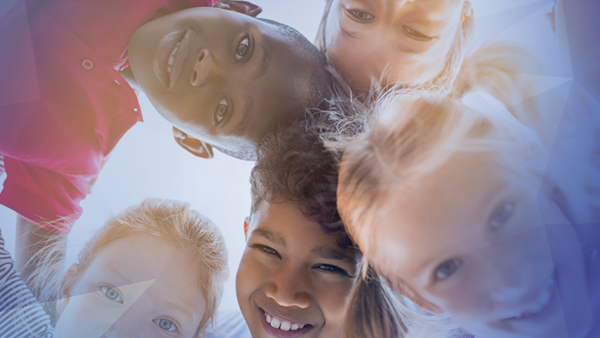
(415, 134)
(443, 82)
(510, 74)
(412, 137)
(170, 220)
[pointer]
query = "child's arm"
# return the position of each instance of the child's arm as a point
(20, 313)
(30, 240)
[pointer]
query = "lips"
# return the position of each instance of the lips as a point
(169, 56)
(541, 307)
(280, 327)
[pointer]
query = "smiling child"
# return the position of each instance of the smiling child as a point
(220, 76)
(413, 43)
(453, 206)
(299, 266)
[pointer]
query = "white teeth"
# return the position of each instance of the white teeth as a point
(172, 57)
(282, 325)
(285, 326)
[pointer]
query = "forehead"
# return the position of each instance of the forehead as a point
(139, 258)
(444, 210)
(285, 223)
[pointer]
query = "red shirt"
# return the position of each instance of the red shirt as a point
(63, 103)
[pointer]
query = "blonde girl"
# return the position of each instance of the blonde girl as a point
(453, 207)
(157, 268)
(384, 42)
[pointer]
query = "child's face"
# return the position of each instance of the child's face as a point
(405, 42)
(232, 78)
(294, 279)
(135, 287)
(484, 244)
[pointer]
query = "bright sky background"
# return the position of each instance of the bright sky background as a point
(148, 163)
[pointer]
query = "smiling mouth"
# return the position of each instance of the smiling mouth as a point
(283, 328)
(541, 303)
(169, 57)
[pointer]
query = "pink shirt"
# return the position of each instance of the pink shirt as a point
(63, 103)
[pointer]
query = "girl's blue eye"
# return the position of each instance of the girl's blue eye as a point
(112, 294)
(165, 324)
(242, 49)
(360, 16)
(446, 269)
(501, 215)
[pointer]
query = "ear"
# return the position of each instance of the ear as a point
(552, 18)
(246, 226)
(243, 7)
(192, 145)
(467, 19)
(64, 295)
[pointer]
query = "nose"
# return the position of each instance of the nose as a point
(206, 69)
(289, 289)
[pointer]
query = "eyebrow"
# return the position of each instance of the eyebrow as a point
(263, 66)
(270, 236)
(180, 309)
(114, 270)
(333, 254)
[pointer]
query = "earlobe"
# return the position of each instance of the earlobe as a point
(64, 294)
(243, 7)
(193, 145)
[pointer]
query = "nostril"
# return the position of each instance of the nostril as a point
(194, 76)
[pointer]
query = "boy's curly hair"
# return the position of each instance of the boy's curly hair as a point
(294, 165)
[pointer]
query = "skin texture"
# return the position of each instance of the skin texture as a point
(481, 242)
(280, 273)
(404, 42)
(154, 282)
(240, 77)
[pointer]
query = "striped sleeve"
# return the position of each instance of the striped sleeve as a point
(21, 316)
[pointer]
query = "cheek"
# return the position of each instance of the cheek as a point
(250, 276)
(86, 316)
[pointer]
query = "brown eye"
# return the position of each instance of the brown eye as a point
(360, 16)
(221, 110)
(242, 49)
(416, 35)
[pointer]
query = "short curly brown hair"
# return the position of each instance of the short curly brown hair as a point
(294, 165)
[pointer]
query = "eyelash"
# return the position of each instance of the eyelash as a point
(267, 250)
(175, 326)
(104, 288)
(416, 35)
(225, 103)
(248, 43)
(356, 13)
(332, 269)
